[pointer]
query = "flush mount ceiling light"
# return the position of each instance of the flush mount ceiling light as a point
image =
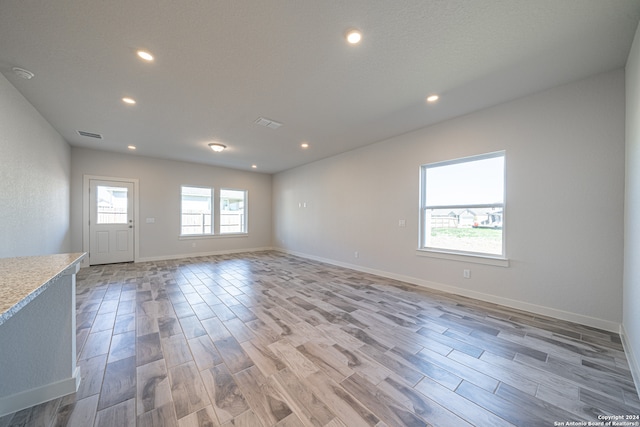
(217, 147)
(353, 36)
(128, 100)
(131, 147)
(304, 145)
(432, 98)
(254, 166)
(21, 72)
(143, 54)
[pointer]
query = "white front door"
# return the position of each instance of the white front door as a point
(110, 222)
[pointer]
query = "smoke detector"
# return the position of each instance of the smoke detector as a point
(21, 72)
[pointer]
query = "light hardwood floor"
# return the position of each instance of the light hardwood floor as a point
(267, 339)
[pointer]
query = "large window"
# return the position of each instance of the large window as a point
(462, 205)
(233, 211)
(196, 211)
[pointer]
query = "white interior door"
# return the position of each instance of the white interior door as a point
(110, 222)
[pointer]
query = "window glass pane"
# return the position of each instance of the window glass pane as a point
(479, 182)
(233, 211)
(112, 205)
(477, 230)
(463, 205)
(196, 211)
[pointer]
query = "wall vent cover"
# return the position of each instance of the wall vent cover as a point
(89, 134)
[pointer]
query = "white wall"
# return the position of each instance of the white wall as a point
(34, 180)
(160, 182)
(631, 299)
(564, 221)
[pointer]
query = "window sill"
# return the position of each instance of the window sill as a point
(211, 236)
(476, 259)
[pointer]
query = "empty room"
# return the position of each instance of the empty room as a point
(319, 213)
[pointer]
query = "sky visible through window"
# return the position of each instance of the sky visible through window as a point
(478, 182)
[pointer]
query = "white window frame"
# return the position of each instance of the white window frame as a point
(451, 254)
(245, 223)
(211, 233)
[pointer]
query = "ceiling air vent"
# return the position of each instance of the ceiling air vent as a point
(89, 134)
(272, 124)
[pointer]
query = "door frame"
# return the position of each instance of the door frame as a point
(86, 246)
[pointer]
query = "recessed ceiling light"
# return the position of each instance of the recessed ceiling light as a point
(131, 147)
(143, 54)
(128, 100)
(254, 166)
(217, 147)
(354, 36)
(304, 145)
(432, 98)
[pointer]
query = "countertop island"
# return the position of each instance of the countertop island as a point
(24, 278)
(37, 329)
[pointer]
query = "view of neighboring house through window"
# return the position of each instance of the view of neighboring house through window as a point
(233, 215)
(462, 205)
(112, 205)
(196, 211)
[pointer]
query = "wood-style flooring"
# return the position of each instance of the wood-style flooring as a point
(268, 339)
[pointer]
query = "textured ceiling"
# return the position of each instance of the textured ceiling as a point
(222, 64)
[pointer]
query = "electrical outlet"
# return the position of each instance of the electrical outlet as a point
(356, 254)
(466, 274)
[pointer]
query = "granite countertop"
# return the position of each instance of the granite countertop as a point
(24, 278)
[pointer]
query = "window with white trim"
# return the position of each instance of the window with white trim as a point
(196, 211)
(233, 211)
(462, 206)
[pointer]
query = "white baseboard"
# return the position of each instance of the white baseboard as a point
(520, 305)
(632, 358)
(199, 254)
(36, 396)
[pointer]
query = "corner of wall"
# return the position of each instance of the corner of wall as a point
(632, 359)
(630, 329)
